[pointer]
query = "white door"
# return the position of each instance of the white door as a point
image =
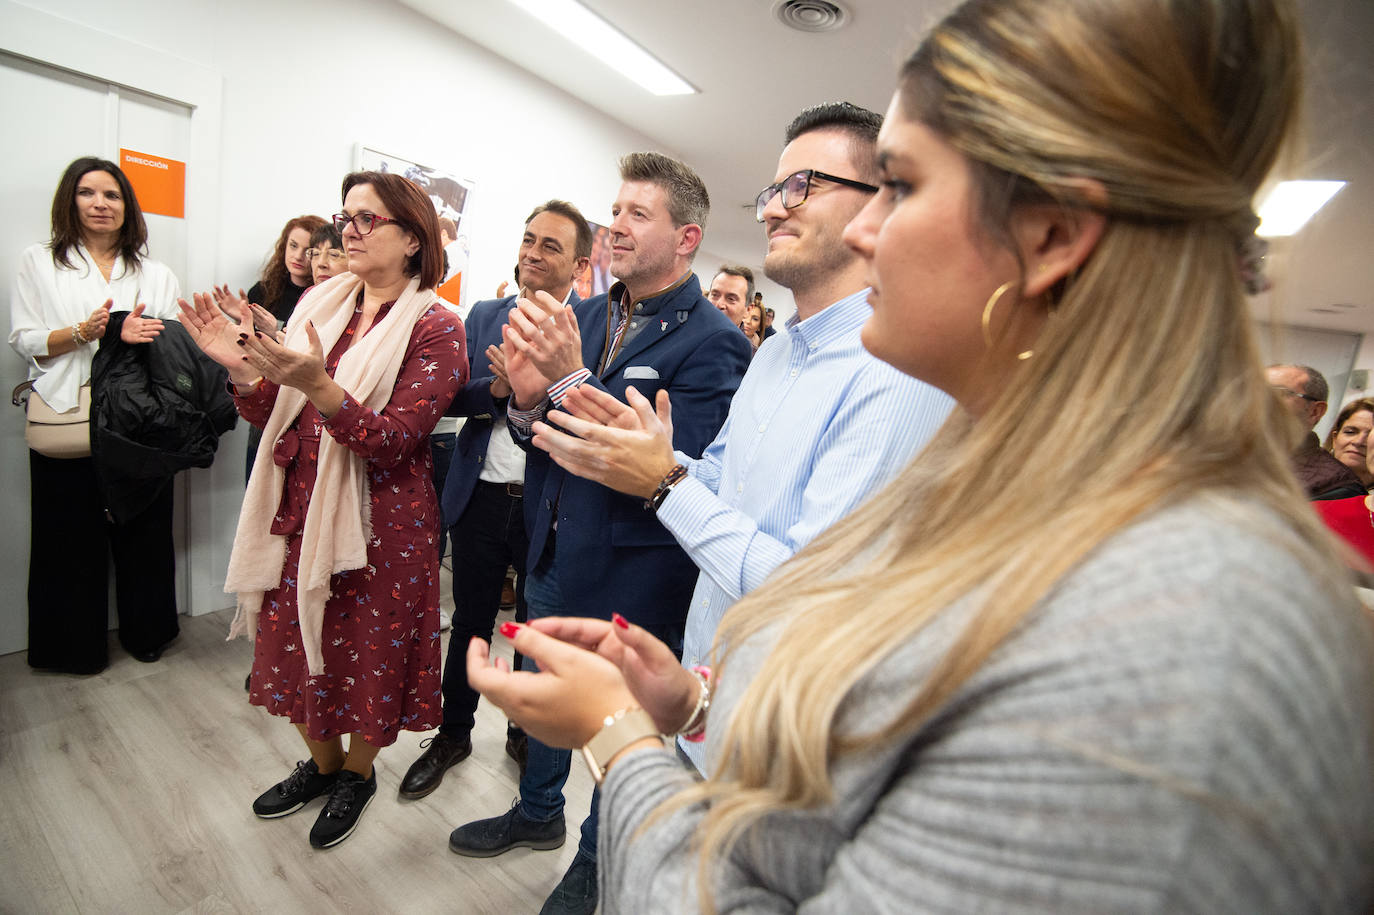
(52, 117)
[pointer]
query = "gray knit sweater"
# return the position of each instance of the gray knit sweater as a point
(1185, 724)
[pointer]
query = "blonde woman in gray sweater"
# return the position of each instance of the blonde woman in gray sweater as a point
(1091, 651)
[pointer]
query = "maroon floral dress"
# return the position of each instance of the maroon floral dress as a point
(381, 624)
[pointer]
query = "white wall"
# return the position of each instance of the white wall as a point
(282, 92)
(1364, 359)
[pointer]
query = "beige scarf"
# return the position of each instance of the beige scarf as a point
(338, 521)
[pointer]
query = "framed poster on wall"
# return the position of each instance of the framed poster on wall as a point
(450, 195)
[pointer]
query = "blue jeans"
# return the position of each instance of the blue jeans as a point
(547, 768)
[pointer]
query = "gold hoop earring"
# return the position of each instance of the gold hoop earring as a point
(989, 308)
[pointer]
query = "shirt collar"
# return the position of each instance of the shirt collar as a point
(650, 304)
(834, 322)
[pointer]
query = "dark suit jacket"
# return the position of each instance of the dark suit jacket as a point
(474, 401)
(613, 554)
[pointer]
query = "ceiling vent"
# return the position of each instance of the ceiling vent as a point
(810, 15)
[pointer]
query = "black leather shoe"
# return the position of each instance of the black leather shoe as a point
(344, 809)
(149, 656)
(517, 747)
(488, 838)
(576, 892)
(442, 753)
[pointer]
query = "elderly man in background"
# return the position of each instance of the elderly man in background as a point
(1304, 391)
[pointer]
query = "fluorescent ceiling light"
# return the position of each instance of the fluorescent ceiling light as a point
(603, 41)
(1291, 204)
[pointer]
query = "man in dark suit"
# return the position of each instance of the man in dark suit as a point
(593, 550)
(482, 497)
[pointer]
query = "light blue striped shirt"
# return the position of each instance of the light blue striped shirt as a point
(816, 426)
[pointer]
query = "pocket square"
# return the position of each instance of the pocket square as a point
(640, 371)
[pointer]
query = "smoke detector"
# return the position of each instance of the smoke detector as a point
(810, 15)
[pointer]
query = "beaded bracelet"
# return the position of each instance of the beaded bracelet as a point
(77, 336)
(665, 485)
(694, 731)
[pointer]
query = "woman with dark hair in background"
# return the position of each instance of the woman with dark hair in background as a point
(1352, 519)
(94, 263)
(326, 254)
(1348, 440)
(335, 561)
(1106, 660)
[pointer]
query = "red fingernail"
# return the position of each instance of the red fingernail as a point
(620, 621)
(509, 629)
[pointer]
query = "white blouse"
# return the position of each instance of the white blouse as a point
(47, 297)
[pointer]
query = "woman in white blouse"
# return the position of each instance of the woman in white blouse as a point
(66, 289)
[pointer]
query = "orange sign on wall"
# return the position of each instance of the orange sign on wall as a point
(159, 182)
(451, 290)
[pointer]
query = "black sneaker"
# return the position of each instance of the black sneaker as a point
(576, 892)
(350, 797)
(295, 791)
(488, 838)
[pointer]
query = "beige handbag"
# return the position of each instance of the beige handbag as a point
(59, 435)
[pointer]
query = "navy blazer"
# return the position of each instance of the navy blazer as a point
(474, 401)
(613, 554)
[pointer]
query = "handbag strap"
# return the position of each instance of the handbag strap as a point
(16, 396)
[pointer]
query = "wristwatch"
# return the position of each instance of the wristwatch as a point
(618, 731)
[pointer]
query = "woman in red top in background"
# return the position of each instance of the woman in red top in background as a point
(1353, 520)
(336, 557)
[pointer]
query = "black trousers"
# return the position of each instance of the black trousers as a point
(488, 537)
(70, 549)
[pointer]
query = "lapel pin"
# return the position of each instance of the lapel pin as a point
(662, 325)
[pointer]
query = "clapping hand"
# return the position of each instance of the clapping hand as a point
(627, 447)
(93, 328)
(528, 384)
(216, 334)
(588, 669)
(500, 387)
(277, 363)
(264, 322)
(545, 332)
(138, 329)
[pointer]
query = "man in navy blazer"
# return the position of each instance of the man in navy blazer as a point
(483, 490)
(592, 550)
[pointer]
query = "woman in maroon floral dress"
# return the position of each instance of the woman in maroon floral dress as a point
(336, 557)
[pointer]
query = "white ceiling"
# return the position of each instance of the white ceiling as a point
(755, 74)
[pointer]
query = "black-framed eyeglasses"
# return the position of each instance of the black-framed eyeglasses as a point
(334, 254)
(797, 186)
(1289, 392)
(363, 223)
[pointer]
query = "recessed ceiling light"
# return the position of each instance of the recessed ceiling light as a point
(1291, 204)
(606, 43)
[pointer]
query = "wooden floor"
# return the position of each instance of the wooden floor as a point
(129, 792)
